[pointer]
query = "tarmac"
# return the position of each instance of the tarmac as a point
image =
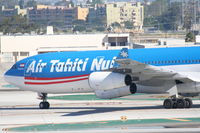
(19, 112)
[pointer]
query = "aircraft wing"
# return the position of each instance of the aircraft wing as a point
(142, 72)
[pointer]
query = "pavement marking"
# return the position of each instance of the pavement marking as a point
(98, 124)
(176, 119)
(81, 97)
(94, 98)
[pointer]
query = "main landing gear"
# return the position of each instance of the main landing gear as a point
(44, 104)
(177, 103)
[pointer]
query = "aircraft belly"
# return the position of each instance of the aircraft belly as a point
(184, 68)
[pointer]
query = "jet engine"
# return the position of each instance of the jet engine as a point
(118, 92)
(108, 80)
(109, 85)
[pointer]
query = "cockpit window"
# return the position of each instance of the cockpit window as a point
(14, 66)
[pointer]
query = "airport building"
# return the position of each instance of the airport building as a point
(125, 11)
(14, 48)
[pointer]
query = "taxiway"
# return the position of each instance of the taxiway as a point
(19, 112)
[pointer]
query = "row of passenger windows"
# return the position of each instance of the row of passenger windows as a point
(172, 62)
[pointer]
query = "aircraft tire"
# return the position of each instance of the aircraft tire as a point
(168, 103)
(44, 105)
(188, 103)
(181, 103)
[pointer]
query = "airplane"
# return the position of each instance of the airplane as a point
(112, 73)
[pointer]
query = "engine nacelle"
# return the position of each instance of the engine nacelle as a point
(118, 92)
(108, 80)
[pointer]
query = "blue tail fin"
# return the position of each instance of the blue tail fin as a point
(123, 54)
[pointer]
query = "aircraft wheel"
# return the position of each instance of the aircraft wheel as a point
(168, 103)
(181, 103)
(188, 103)
(174, 103)
(44, 105)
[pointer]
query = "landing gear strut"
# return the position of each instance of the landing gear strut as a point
(44, 104)
(177, 103)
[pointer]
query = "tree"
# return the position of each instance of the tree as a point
(17, 24)
(190, 37)
(116, 24)
(150, 21)
(128, 25)
(79, 28)
(100, 28)
(97, 21)
(31, 3)
(64, 3)
(170, 19)
(79, 25)
(79, 22)
(153, 11)
(156, 8)
(94, 2)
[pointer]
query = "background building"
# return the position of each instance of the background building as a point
(81, 13)
(56, 15)
(14, 48)
(121, 12)
(5, 12)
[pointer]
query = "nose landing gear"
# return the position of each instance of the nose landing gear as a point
(44, 104)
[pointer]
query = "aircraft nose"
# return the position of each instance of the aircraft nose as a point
(7, 76)
(10, 77)
(15, 75)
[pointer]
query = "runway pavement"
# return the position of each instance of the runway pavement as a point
(136, 113)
